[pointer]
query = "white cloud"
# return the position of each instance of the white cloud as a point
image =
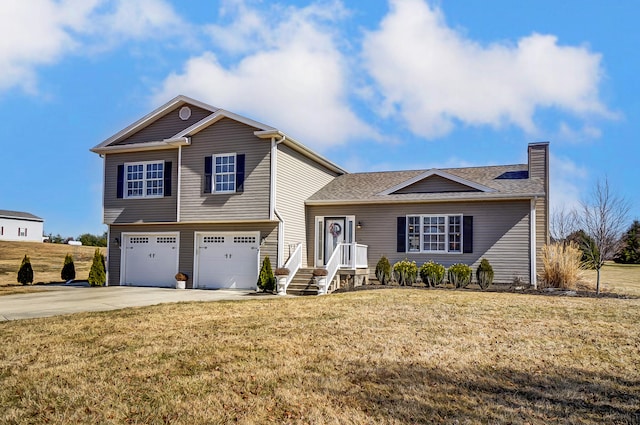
(290, 73)
(567, 183)
(433, 76)
(36, 33)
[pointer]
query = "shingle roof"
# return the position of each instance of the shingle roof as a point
(507, 181)
(19, 215)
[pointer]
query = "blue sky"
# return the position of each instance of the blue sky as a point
(372, 85)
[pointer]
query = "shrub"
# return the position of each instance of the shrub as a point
(97, 274)
(431, 273)
(266, 280)
(459, 275)
(383, 271)
(25, 273)
(561, 265)
(406, 272)
(68, 269)
(484, 274)
(181, 277)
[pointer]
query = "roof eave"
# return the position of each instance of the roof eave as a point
(299, 147)
(172, 143)
(492, 197)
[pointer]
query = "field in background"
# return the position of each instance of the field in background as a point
(46, 259)
(616, 278)
(389, 356)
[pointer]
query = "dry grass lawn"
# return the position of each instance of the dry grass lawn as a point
(392, 356)
(46, 259)
(617, 278)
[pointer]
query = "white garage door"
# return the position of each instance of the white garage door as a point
(227, 260)
(150, 259)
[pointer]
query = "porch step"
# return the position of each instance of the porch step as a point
(303, 283)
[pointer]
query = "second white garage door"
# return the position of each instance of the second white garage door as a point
(149, 259)
(227, 260)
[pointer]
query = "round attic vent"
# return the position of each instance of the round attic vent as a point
(185, 113)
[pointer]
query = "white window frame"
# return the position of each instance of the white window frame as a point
(231, 175)
(448, 232)
(146, 182)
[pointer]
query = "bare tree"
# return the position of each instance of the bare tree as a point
(563, 223)
(604, 217)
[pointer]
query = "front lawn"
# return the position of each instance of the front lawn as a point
(390, 356)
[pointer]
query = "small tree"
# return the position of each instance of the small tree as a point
(25, 273)
(68, 269)
(266, 280)
(604, 216)
(97, 274)
(629, 252)
(383, 271)
(484, 274)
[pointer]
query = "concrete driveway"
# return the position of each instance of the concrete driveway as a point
(57, 300)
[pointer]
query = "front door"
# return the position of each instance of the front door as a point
(334, 234)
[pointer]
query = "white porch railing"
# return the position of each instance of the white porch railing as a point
(293, 264)
(346, 255)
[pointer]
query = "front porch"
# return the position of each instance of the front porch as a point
(347, 265)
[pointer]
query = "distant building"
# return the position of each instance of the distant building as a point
(20, 226)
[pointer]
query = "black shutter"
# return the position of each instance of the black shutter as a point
(208, 171)
(467, 234)
(240, 173)
(402, 234)
(167, 178)
(120, 187)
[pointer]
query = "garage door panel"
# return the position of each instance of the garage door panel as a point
(227, 260)
(150, 259)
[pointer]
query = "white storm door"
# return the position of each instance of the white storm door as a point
(227, 260)
(150, 259)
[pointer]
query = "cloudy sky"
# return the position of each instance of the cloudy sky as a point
(371, 84)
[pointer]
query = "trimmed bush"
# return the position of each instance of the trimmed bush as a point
(561, 265)
(182, 277)
(320, 272)
(25, 273)
(97, 274)
(68, 269)
(459, 275)
(266, 280)
(484, 274)
(431, 273)
(383, 271)
(405, 272)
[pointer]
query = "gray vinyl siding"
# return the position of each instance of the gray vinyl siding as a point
(144, 210)
(436, 184)
(166, 127)
(268, 233)
(500, 233)
(297, 179)
(226, 136)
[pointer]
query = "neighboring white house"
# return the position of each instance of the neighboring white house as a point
(20, 226)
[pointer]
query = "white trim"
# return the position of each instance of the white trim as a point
(447, 233)
(319, 260)
(400, 199)
(145, 146)
(213, 171)
(196, 252)
(440, 173)
(153, 116)
(217, 116)
(144, 195)
(178, 188)
(123, 256)
(532, 236)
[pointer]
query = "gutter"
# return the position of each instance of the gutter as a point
(147, 146)
(497, 197)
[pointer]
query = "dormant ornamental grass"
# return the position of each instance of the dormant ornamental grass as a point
(392, 356)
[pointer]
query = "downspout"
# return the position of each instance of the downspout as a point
(532, 226)
(179, 183)
(273, 211)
